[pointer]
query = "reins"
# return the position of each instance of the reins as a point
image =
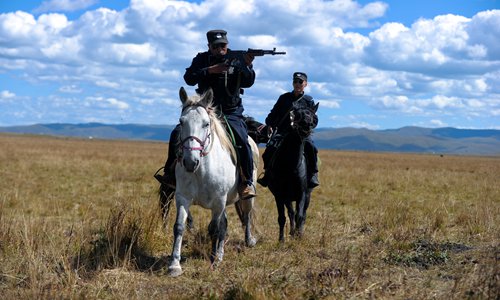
(287, 114)
(271, 139)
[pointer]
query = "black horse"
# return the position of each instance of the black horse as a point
(288, 170)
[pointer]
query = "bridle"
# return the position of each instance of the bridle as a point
(297, 120)
(204, 143)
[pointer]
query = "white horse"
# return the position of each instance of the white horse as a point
(207, 175)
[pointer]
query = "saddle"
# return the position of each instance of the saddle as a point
(256, 130)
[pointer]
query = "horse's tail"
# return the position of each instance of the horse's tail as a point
(255, 156)
(252, 214)
(256, 162)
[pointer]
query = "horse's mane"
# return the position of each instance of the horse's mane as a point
(192, 101)
(217, 126)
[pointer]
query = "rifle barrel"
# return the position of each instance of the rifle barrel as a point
(262, 52)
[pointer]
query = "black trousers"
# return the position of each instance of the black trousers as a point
(173, 145)
(243, 149)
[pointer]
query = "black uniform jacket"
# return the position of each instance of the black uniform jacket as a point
(226, 87)
(278, 117)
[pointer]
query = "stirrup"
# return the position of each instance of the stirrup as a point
(165, 179)
(247, 192)
(263, 180)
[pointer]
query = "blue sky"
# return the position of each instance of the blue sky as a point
(373, 64)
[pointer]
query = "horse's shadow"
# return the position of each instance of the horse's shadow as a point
(148, 263)
(198, 242)
(134, 256)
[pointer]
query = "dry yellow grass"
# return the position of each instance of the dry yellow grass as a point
(80, 219)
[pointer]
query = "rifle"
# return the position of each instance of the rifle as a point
(260, 52)
(236, 58)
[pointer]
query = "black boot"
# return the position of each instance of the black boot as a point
(167, 179)
(264, 181)
(313, 181)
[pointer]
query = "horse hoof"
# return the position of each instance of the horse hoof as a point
(300, 232)
(174, 271)
(251, 242)
(215, 264)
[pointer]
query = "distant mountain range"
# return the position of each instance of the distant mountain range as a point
(406, 139)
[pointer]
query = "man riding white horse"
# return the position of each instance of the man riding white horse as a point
(209, 70)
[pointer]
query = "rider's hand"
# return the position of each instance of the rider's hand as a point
(269, 131)
(248, 58)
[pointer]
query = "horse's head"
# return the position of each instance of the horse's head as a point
(304, 119)
(195, 134)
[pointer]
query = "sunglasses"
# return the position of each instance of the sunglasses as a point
(216, 46)
(298, 81)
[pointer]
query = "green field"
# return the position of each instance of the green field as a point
(79, 219)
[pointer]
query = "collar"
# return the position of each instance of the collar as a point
(295, 98)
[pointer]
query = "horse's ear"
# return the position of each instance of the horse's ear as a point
(182, 94)
(207, 97)
(315, 107)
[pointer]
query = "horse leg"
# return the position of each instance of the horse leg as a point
(304, 214)
(174, 269)
(190, 221)
(281, 219)
(217, 230)
(301, 214)
(291, 217)
(244, 210)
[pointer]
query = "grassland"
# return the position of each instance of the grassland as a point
(79, 219)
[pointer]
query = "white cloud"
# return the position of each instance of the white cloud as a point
(71, 89)
(363, 125)
(329, 103)
(117, 103)
(398, 103)
(6, 96)
(445, 44)
(141, 52)
(64, 5)
(126, 53)
(17, 29)
(484, 32)
(63, 49)
(355, 120)
(445, 102)
(107, 84)
(106, 103)
(475, 103)
(53, 23)
(437, 123)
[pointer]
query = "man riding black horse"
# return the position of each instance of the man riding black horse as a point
(276, 119)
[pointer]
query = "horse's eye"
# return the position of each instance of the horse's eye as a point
(205, 125)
